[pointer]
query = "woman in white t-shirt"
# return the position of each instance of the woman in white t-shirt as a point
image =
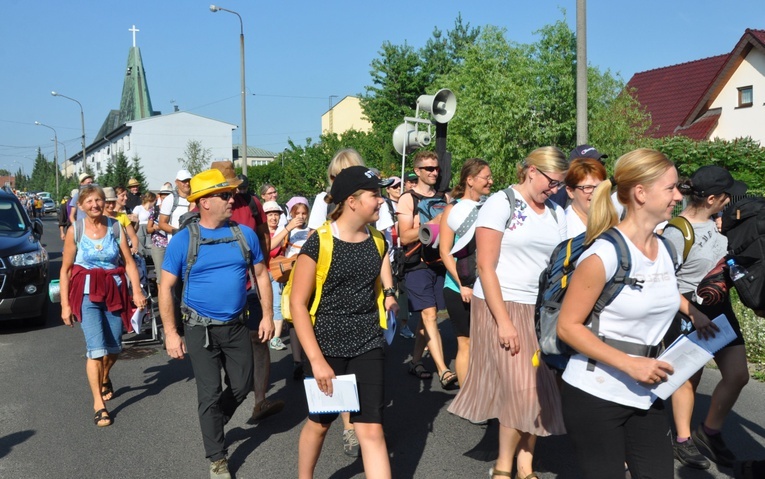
(583, 176)
(610, 414)
(513, 244)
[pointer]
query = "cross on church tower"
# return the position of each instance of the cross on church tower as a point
(134, 29)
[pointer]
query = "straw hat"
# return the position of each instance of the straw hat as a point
(133, 182)
(109, 194)
(208, 182)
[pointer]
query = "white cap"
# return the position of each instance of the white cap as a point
(183, 175)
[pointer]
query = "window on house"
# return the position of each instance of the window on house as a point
(745, 96)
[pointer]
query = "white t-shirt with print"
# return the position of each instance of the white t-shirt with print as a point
(296, 239)
(180, 210)
(526, 244)
(637, 315)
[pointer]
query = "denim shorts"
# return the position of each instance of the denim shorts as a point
(102, 329)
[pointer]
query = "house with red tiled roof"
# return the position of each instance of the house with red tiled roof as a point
(717, 97)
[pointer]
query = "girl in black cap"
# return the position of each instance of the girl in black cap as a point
(345, 336)
(709, 190)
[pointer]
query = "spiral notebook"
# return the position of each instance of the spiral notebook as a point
(690, 353)
(344, 398)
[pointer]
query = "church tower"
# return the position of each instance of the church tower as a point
(135, 103)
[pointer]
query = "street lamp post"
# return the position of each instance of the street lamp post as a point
(55, 156)
(82, 120)
(214, 8)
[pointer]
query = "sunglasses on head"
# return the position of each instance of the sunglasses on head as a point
(429, 169)
(225, 196)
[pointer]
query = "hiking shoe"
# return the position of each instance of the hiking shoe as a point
(276, 344)
(267, 408)
(407, 333)
(351, 443)
(715, 447)
(688, 454)
(219, 469)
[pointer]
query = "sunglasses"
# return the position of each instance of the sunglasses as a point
(225, 196)
(552, 183)
(429, 169)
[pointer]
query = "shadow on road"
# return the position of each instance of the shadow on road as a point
(13, 439)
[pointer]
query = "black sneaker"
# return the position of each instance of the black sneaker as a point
(688, 454)
(715, 446)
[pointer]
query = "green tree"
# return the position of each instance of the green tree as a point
(4, 172)
(196, 157)
(136, 171)
(118, 172)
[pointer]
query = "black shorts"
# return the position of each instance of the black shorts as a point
(255, 311)
(681, 324)
(370, 379)
(459, 312)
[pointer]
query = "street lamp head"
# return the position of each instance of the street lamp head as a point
(54, 93)
(213, 8)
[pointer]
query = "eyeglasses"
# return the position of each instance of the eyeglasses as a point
(225, 196)
(485, 178)
(586, 189)
(553, 183)
(272, 192)
(429, 169)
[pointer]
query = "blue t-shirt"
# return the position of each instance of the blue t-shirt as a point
(217, 281)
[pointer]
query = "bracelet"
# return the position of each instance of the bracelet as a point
(389, 293)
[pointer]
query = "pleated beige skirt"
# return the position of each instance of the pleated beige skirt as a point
(500, 385)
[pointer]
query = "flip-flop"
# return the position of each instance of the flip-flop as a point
(102, 415)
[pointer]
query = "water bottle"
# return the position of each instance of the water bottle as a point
(736, 271)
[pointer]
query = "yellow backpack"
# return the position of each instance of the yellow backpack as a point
(322, 269)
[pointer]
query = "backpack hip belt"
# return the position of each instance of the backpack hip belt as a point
(191, 318)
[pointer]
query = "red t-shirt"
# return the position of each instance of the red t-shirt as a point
(242, 214)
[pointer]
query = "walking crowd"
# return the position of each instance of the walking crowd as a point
(236, 274)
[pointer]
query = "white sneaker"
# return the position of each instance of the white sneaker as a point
(276, 344)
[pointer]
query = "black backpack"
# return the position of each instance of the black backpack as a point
(743, 224)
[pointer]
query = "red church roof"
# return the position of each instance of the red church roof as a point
(677, 96)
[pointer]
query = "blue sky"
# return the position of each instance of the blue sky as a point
(298, 53)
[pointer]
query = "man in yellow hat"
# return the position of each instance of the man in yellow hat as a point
(215, 308)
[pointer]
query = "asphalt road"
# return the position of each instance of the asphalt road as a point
(46, 427)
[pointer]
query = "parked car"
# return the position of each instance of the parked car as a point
(49, 206)
(23, 264)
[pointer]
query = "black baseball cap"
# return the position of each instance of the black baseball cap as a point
(586, 151)
(713, 180)
(355, 178)
(411, 176)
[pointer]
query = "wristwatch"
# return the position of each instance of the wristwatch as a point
(390, 292)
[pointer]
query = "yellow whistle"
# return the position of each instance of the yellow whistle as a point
(535, 359)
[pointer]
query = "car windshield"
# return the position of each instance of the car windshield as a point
(11, 217)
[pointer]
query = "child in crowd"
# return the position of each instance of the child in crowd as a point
(347, 337)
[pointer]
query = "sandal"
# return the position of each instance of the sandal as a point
(496, 472)
(107, 390)
(448, 380)
(100, 416)
(418, 370)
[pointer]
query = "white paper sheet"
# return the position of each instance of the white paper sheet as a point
(345, 396)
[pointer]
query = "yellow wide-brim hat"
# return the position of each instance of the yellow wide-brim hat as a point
(208, 182)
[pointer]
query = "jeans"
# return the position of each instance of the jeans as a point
(276, 288)
(102, 329)
(230, 348)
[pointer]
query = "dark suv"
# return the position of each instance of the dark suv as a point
(23, 264)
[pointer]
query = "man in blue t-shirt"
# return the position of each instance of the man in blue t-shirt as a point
(215, 312)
